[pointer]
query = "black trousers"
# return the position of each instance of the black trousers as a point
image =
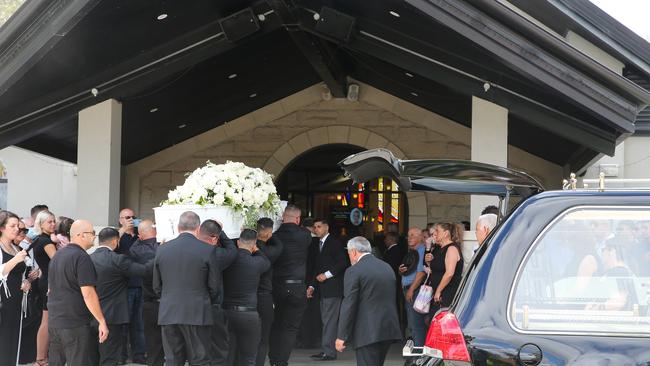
(373, 354)
(219, 338)
(265, 310)
(186, 342)
(76, 346)
(244, 333)
(290, 303)
(152, 334)
(111, 350)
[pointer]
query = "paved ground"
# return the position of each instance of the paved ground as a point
(300, 357)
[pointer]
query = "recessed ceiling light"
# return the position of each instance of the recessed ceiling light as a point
(153, 110)
(414, 94)
(161, 16)
(182, 126)
(252, 95)
(408, 74)
(394, 13)
(232, 76)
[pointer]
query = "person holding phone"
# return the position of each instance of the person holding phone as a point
(134, 331)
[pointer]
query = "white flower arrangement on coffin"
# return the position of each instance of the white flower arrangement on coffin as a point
(233, 193)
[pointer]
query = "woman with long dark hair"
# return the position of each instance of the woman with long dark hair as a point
(12, 285)
(446, 265)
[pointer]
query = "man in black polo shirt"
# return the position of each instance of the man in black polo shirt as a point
(73, 302)
(288, 286)
(240, 283)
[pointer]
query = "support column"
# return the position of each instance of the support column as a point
(99, 149)
(489, 145)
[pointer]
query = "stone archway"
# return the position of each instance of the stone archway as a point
(340, 134)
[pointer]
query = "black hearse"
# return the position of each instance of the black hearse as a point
(562, 280)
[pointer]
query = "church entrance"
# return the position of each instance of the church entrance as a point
(315, 183)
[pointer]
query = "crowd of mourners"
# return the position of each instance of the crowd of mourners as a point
(205, 299)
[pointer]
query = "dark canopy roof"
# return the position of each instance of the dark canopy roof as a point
(211, 61)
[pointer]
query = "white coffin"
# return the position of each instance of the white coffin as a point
(167, 219)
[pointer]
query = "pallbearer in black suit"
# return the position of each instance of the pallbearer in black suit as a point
(368, 316)
(271, 247)
(113, 272)
(288, 286)
(326, 281)
(142, 251)
(187, 279)
(225, 252)
(240, 283)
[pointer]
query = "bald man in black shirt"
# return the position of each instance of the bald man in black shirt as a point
(240, 283)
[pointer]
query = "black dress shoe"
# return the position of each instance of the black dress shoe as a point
(326, 358)
(139, 360)
(318, 355)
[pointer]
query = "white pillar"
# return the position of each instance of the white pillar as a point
(98, 163)
(489, 145)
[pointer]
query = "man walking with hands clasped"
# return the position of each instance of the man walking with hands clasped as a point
(368, 312)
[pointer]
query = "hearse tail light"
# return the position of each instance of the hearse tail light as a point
(445, 339)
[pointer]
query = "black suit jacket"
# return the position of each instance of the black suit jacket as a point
(143, 251)
(187, 278)
(333, 259)
(225, 254)
(291, 265)
(368, 310)
(393, 256)
(271, 250)
(113, 272)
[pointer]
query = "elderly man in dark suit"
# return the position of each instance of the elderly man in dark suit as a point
(326, 280)
(187, 278)
(368, 315)
(288, 286)
(113, 273)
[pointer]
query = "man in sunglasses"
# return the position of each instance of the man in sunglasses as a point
(134, 331)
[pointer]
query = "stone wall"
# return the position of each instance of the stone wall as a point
(274, 135)
(275, 144)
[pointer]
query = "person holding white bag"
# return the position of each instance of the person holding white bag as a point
(446, 265)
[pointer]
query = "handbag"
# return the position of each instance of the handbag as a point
(423, 301)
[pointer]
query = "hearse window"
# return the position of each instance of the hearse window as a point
(589, 272)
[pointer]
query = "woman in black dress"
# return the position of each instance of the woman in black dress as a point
(31, 320)
(12, 285)
(446, 265)
(44, 250)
